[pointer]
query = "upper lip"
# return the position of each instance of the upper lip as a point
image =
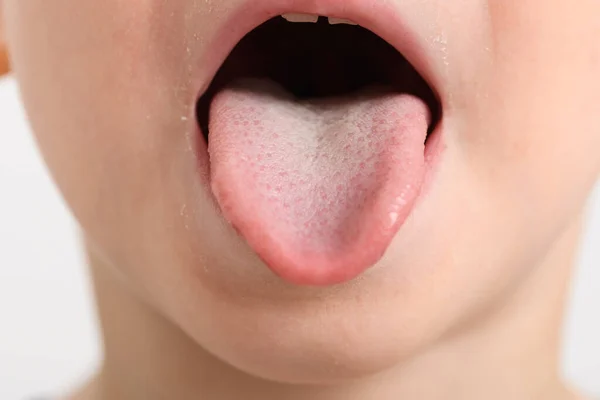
(389, 20)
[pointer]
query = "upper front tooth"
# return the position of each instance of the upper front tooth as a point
(335, 21)
(301, 17)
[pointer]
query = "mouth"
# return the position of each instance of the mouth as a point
(320, 135)
(314, 57)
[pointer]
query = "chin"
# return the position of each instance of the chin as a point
(311, 346)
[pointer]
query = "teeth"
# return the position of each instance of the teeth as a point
(301, 17)
(336, 21)
(291, 17)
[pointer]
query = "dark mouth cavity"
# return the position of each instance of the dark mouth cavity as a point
(316, 60)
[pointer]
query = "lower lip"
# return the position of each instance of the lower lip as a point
(434, 148)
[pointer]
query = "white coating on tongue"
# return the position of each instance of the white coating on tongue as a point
(317, 188)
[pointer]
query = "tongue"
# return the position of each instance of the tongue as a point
(317, 188)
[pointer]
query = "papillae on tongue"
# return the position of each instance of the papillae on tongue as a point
(317, 188)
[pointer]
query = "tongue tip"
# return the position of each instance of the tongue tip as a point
(304, 266)
(319, 278)
(297, 263)
(318, 269)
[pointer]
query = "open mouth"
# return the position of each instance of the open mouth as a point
(316, 131)
(318, 59)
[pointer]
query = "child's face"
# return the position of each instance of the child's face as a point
(111, 88)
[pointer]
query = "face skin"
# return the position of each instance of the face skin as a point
(106, 85)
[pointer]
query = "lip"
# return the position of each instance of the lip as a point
(385, 20)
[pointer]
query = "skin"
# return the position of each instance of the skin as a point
(466, 304)
(3, 53)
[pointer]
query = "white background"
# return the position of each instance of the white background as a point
(48, 334)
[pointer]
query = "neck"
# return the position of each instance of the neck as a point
(510, 353)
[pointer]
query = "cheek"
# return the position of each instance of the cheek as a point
(92, 86)
(114, 115)
(532, 138)
(522, 152)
